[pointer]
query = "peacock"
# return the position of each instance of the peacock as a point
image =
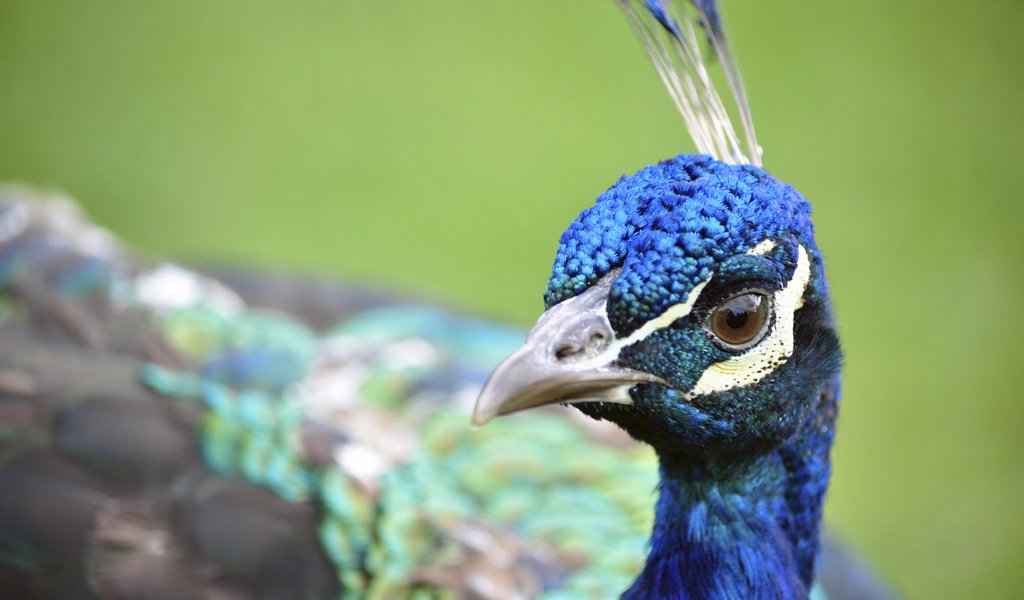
(169, 431)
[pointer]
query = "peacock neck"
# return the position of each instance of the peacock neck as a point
(741, 529)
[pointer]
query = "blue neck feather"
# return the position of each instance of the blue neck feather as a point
(741, 530)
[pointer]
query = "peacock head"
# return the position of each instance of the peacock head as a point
(689, 306)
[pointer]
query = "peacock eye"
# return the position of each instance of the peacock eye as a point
(741, 319)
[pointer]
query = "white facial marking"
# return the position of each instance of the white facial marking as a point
(763, 248)
(758, 362)
(671, 315)
(747, 368)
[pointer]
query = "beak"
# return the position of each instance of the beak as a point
(569, 356)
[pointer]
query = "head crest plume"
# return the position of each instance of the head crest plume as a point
(666, 29)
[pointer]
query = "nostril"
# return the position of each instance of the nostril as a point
(567, 351)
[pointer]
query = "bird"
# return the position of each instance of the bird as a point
(169, 431)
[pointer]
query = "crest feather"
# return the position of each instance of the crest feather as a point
(666, 30)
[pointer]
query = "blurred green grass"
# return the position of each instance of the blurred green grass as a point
(442, 147)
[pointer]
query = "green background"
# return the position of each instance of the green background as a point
(441, 147)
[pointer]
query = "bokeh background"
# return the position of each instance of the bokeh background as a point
(439, 148)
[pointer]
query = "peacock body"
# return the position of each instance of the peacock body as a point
(210, 448)
(169, 433)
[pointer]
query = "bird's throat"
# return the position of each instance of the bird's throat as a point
(747, 530)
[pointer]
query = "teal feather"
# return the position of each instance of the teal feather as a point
(163, 433)
(335, 461)
(402, 508)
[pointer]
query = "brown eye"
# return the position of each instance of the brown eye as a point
(740, 319)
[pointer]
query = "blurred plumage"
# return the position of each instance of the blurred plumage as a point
(206, 448)
(165, 433)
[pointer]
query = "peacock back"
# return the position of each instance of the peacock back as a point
(170, 433)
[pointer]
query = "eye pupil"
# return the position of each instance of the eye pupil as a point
(739, 319)
(736, 320)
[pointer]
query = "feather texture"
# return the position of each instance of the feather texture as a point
(272, 459)
(194, 445)
(668, 32)
(169, 433)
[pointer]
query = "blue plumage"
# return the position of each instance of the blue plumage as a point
(707, 335)
(209, 448)
(666, 227)
(743, 468)
(707, 9)
(658, 11)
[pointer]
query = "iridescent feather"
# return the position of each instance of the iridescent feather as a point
(168, 433)
(161, 434)
(360, 432)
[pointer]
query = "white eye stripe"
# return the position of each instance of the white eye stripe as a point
(671, 315)
(683, 309)
(763, 248)
(745, 369)
(770, 353)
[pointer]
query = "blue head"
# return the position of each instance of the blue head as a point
(728, 253)
(690, 303)
(689, 306)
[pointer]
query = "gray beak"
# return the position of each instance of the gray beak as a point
(568, 357)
